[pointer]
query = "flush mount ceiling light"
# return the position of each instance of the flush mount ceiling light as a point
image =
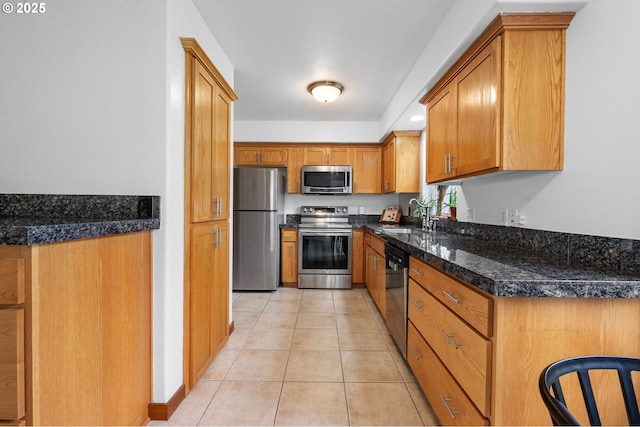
(325, 91)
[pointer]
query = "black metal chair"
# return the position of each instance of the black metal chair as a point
(554, 399)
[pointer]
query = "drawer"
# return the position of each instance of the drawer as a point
(474, 307)
(448, 400)
(289, 235)
(465, 353)
(12, 367)
(377, 244)
(12, 278)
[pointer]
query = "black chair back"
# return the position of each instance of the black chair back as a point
(554, 399)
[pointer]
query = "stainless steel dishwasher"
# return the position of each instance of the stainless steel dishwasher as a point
(397, 288)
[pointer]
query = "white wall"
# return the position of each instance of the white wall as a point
(82, 99)
(92, 102)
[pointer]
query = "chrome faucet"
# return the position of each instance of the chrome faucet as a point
(429, 221)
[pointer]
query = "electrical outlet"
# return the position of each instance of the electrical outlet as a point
(471, 214)
(145, 207)
(513, 217)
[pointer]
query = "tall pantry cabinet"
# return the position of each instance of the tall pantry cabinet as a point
(207, 183)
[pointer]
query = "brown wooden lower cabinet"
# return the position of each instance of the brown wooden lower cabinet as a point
(79, 344)
(289, 257)
(478, 357)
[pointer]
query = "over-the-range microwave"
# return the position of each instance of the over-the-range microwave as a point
(326, 179)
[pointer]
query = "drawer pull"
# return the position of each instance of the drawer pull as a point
(417, 303)
(446, 403)
(451, 341)
(417, 355)
(418, 272)
(451, 297)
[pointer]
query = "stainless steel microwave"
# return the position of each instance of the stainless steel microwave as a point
(326, 179)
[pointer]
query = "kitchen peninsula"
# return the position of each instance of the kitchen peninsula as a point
(490, 307)
(75, 309)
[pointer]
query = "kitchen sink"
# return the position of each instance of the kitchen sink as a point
(398, 230)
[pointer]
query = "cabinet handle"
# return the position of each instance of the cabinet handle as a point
(446, 404)
(219, 206)
(416, 303)
(418, 272)
(451, 297)
(417, 355)
(449, 338)
(446, 163)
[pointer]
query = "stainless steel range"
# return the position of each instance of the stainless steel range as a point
(324, 247)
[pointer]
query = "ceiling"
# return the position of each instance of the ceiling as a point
(279, 47)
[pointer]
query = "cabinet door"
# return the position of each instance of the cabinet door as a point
(273, 156)
(210, 148)
(220, 162)
(315, 156)
(441, 134)
(357, 256)
(209, 294)
(367, 167)
(289, 256)
(295, 160)
(12, 367)
(339, 156)
(407, 165)
(202, 144)
(478, 138)
(389, 167)
(369, 275)
(246, 156)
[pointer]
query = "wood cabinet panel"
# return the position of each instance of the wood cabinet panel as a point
(441, 134)
(375, 272)
(294, 169)
(448, 400)
(367, 167)
(472, 306)
(466, 353)
(206, 230)
(12, 364)
(289, 256)
(504, 108)
(209, 148)
(258, 155)
(357, 257)
(12, 281)
(333, 155)
(208, 294)
(89, 331)
(401, 162)
(478, 142)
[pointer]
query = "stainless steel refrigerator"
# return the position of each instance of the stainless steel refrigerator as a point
(258, 211)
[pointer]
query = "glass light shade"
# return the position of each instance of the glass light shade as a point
(325, 91)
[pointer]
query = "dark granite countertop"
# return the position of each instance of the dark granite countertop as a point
(511, 272)
(39, 219)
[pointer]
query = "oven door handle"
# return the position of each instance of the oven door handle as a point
(324, 232)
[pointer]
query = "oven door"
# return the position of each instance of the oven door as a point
(324, 258)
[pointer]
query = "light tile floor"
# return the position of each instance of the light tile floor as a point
(306, 357)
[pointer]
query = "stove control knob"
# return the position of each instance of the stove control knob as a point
(304, 210)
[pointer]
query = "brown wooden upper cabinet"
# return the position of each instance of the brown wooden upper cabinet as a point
(260, 156)
(367, 169)
(401, 162)
(501, 106)
(327, 155)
